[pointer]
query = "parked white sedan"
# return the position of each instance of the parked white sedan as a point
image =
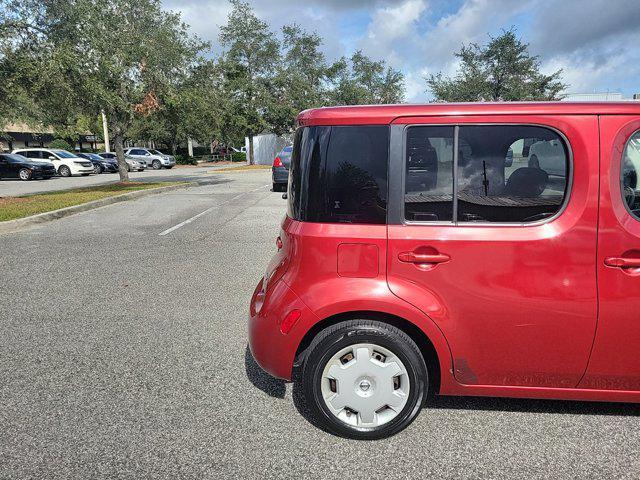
(549, 155)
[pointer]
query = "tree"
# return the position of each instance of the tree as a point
(362, 81)
(251, 55)
(501, 70)
(17, 35)
(91, 55)
(300, 81)
(190, 109)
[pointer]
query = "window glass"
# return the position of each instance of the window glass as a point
(510, 173)
(429, 174)
(630, 173)
(63, 154)
(339, 174)
(355, 175)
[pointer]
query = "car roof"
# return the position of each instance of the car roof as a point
(383, 114)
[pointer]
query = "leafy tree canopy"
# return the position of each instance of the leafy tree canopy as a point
(503, 69)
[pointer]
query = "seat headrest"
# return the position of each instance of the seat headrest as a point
(526, 182)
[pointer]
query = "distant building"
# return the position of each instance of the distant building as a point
(20, 135)
(265, 147)
(595, 97)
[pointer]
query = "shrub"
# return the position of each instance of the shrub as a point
(239, 157)
(60, 144)
(185, 160)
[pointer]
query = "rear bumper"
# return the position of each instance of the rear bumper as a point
(279, 174)
(274, 351)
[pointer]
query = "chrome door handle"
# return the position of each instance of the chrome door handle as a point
(413, 257)
(622, 262)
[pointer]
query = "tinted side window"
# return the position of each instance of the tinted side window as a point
(500, 181)
(355, 176)
(339, 174)
(429, 174)
(629, 175)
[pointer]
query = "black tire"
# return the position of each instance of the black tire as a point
(64, 171)
(25, 174)
(128, 168)
(169, 167)
(97, 169)
(534, 162)
(330, 341)
(156, 165)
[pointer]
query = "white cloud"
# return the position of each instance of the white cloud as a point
(594, 42)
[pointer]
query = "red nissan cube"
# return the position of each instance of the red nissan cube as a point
(455, 249)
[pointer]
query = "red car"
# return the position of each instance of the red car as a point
(425, 251)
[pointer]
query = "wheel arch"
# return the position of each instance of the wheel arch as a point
(422, 340)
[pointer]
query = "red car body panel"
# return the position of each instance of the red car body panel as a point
(615, 360)
(517, 311)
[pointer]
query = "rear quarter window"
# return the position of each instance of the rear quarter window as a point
(339, 174)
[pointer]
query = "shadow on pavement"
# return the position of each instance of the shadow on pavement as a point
(534, 406)
(272, 386)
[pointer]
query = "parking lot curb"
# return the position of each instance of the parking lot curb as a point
(20, 223)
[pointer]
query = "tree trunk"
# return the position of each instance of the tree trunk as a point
(123, 169)
(251, 160)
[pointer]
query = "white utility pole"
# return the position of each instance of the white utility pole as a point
(190, 146)
(105, 132)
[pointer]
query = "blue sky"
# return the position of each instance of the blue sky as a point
(595, 42)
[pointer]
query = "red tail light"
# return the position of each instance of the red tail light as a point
(289, 321)
(277, 162)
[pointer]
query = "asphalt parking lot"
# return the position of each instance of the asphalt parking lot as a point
(123, 353)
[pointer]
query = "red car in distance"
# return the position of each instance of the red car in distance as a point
(426, 251)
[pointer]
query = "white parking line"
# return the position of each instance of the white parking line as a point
(189, 220)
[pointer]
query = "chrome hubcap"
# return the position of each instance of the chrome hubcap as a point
(365, 385)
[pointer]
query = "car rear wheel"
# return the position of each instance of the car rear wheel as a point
(64, 171)
(364, 379)
(24, 174)
(156, 165)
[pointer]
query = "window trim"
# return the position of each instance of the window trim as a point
(621, 165)
(454, 222)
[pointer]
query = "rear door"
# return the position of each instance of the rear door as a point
(5, 167)
(501, 258)
(615, 362)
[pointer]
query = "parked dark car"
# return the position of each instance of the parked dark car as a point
(280, 169)
(17, 166)
(108, 155)
(100, 164)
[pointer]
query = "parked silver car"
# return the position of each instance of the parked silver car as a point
(134, 164)
(151, 158)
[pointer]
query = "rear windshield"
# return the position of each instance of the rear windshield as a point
(339, 174)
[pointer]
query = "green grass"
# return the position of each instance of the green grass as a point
(19, 207)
